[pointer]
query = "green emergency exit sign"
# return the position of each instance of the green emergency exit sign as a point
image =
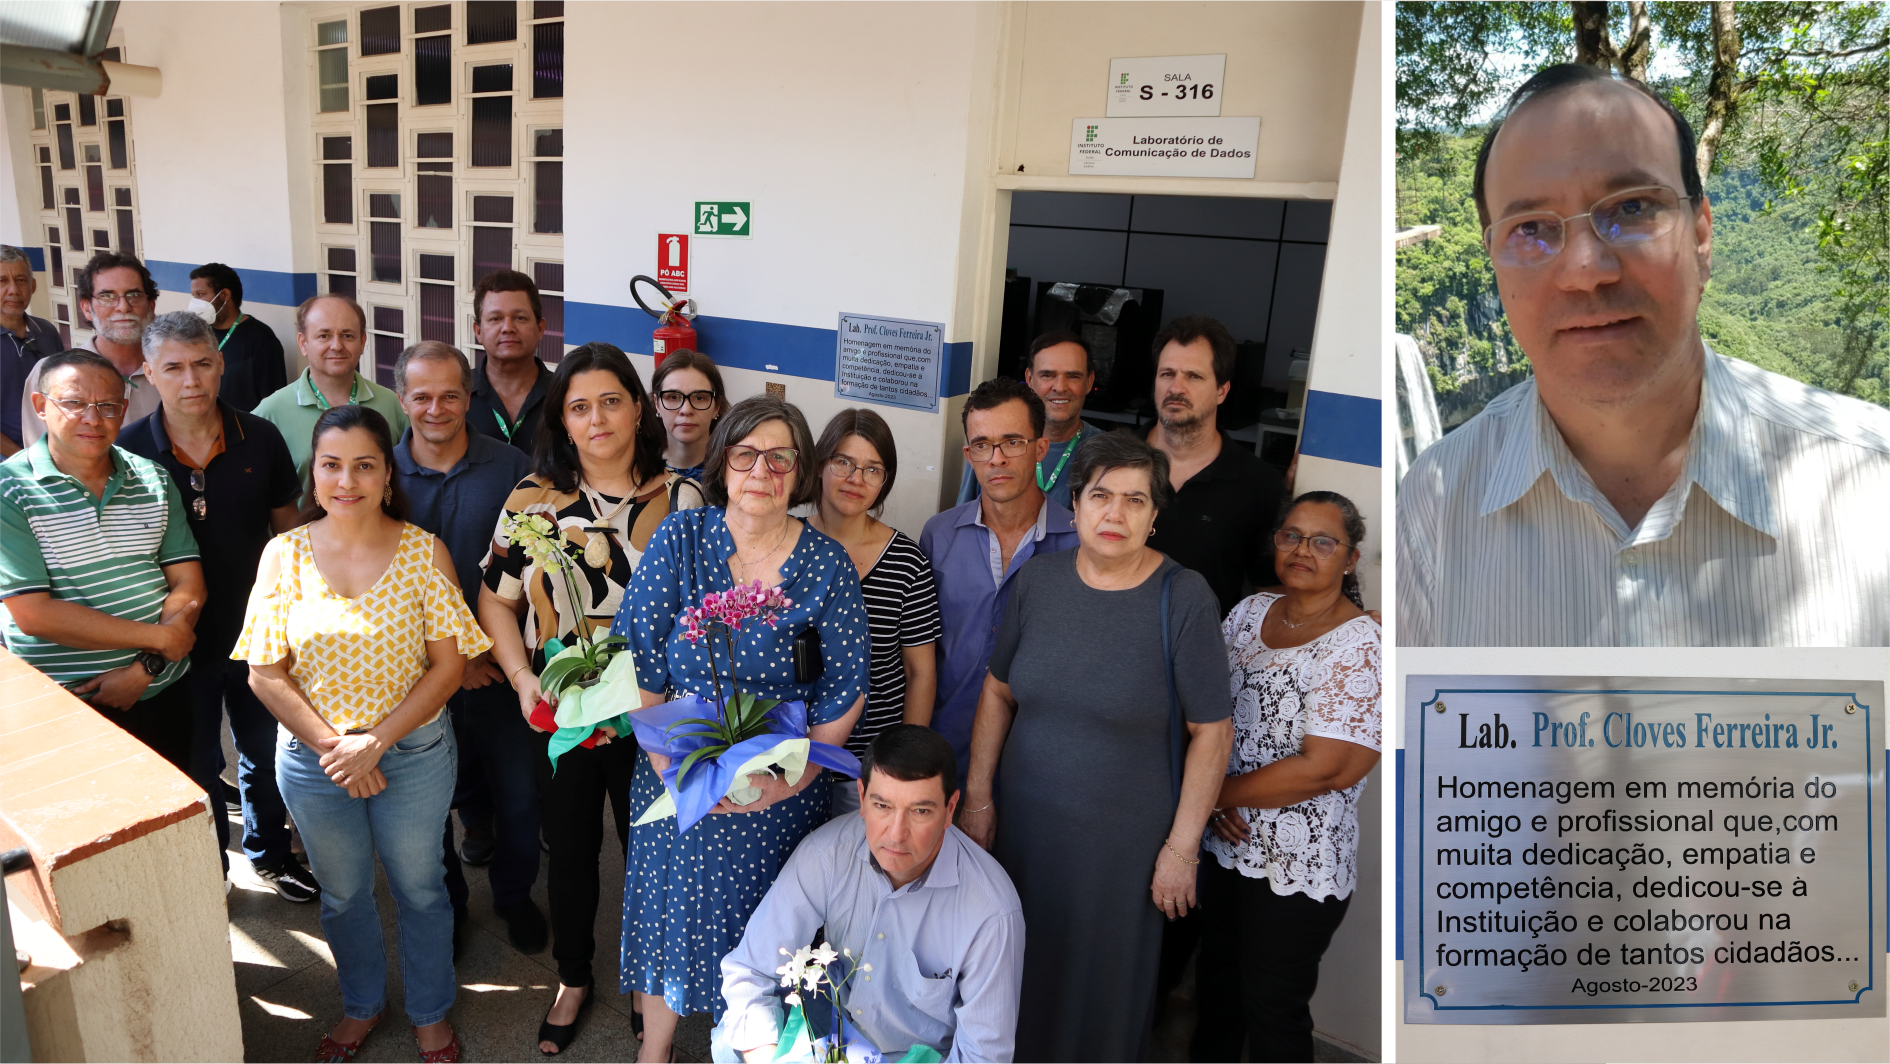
(722, 218)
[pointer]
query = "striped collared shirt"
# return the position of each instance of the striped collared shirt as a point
(107, 553)
(1776, 532)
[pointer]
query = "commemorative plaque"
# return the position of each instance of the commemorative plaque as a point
(1603, 849)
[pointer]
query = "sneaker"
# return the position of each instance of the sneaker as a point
(291, 879)
(478, 846)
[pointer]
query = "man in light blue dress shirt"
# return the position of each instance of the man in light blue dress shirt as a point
(930, 919)
(1641, 489)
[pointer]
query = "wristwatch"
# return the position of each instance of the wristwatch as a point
(153, 663)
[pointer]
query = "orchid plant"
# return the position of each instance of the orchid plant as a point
(810, 969)
(743, 716)
(555, 554)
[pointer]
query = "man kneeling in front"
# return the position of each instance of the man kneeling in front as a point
(902, 890)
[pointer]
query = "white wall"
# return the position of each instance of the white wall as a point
(1749, 1040)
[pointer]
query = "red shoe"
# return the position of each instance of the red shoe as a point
(333, 1052)
(446, 1054)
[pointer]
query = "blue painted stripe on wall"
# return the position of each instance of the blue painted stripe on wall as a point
(762, 346)
(1398, 822)
(35, 259)
(1344, 428)
(259, 286)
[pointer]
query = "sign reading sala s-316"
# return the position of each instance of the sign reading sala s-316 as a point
(1590, 849)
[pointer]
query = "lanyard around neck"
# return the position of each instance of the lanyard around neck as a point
(240, 318)
(1046, 485)
(354, 390)
(506, 428)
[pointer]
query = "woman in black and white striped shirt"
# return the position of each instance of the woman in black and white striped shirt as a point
(857, 461)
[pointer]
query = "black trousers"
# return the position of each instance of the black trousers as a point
(1258, 968)
(574, 829)
(497, 750)
(165, 722)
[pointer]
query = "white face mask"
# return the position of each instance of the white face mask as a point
(203, 309)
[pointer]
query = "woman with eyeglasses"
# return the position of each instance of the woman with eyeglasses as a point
(1103, 725)
(689, 396)
(598, 476)
(858, 460)
(1306, 662)
(687, 898)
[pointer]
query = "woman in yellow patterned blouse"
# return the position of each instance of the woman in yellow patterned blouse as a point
(357, 634)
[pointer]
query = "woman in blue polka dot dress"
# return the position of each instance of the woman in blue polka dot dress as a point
(687, 898)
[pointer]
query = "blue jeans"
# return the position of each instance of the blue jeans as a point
(498, 779)
(218, 685)
(402, 826)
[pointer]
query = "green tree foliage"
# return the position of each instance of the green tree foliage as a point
(1792, 101)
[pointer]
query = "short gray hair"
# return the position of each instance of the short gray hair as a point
(1121, 449)
(180, 327)
(741, 421)
(9, 253)
(431, 351)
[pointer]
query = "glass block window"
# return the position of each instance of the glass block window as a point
(88, 110)
(331, 66)
(390, 338)
(39, 107)
(75, 227)
(68, 156)
(490, 21)
(48, 200)
(55, 258)
(549, 276)
(101, 238)
(119, 143)
(115, 108)
(436, 167)
(380, 31)
(94, 185)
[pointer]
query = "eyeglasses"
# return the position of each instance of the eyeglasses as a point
(673, 400)
(199, 505)
(1010, 445)
(1624, 219)
(845, 467)
(132, 299)
(76, 408)
(1287, 541)
(780, 459)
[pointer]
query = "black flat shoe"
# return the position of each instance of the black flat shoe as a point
(525, 926)
(562, 1035)
(636, 1024)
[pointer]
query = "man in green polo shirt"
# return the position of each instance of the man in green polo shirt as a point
(331, 332)
(100, 575)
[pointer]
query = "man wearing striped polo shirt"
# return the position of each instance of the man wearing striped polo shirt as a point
(100, 575)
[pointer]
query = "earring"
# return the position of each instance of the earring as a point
(387, 494)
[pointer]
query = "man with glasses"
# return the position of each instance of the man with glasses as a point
(117, 295)
(508, 394)
(331, 332)
(25, 341)
(239, 489)
(977, 547)
(100, 575)
(1058, 369)
(1642, 489)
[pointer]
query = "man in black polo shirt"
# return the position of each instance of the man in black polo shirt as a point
(239, 489)
(253, 366)
(1221, 521)
(508, 395)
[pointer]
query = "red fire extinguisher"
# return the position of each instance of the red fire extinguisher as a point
(673, 331)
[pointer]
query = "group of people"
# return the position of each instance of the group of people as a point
(1059, 694)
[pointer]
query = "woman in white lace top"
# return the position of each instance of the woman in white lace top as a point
(1306, 665)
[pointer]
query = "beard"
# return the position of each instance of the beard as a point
(127, 332)
(1179, 420)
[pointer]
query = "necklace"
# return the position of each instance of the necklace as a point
(597, 545)
(1289, 624)
(777, 546)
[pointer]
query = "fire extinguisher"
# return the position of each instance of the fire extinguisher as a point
(673, 331)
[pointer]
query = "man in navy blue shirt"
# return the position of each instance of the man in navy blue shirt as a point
(239, 489)
(457, 482)
(25, 340)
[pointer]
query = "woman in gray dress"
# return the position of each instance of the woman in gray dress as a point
(1106, 778)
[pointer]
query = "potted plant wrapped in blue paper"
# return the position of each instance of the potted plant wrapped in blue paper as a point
(713, 747)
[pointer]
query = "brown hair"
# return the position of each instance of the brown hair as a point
(301, 312)
(701, 363)
(554, 454)
(1121, 449)
(1185, 331)
(743, 419)
(870, 427)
